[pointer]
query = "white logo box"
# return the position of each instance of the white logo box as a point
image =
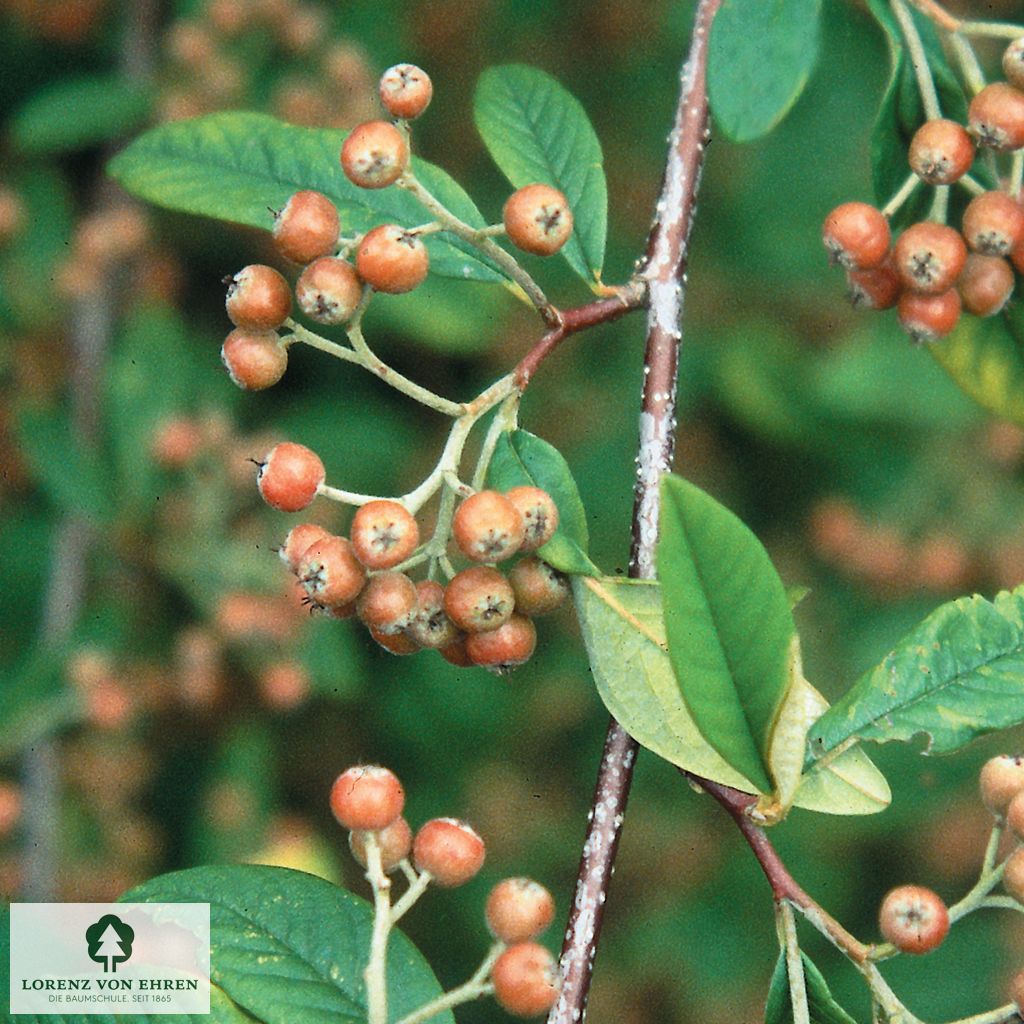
(104, 958)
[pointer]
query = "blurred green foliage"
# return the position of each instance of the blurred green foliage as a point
(813, 423)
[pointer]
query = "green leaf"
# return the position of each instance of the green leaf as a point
(523, 459)
(760, 55)
(624, 633)
(901, 112)
(288, 946)
(79, 112)
(958, 675)
(233, 166)
(823, 1008)
(74, 476)
(536, 131)
(985, 357)
(728, 623)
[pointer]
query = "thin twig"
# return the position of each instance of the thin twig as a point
(918, 60)
(663, 271)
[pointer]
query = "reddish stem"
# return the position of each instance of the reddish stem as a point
(664, 272)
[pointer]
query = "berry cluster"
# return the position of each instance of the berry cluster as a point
(389, 258)
(933, 272)
(368, 801)
(480, 618)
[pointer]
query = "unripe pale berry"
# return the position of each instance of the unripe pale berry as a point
(856, 236)
(1001, 779)
(1015, 816)
(387, 603)
(914, 919)
(928, 318)
(539, 512)
(929, 257)
(478, 599)
(367, 798)
(538, 588)
(993, 223)
(289, 477)
(1013, 63)
(526, 980)
(258, 298)
(537, 219)
(488, 528)
(505, 648)
(395, 841)
(374, 155)
(328, 290)
(1016, 990)
(876, 288)
(254, 359)
(519, 909)
(383, 534)
(306, 227)
(396, 643)
(1013, 875)
(450, 850)
(995, 117)
(330, 574)
(430, 626)
(297, 540)
(405, 91)
(941, 152)
(986, 284)
(391, 260)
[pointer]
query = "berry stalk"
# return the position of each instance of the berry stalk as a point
(663, 270)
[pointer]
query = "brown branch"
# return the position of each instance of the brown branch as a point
(664, 272)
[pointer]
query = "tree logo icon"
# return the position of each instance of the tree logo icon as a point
(110, 942)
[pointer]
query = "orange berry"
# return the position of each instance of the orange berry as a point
(254, 359)
(526, 980)
(387, 603)
(450, 850)
(995, 117)
(367, 798)
(488, 527)
(405, 90)
(258, 298)
(392, 260)
(539, 513)
(519, 909)
(986, 284)
(383, 534)
(330, 574)
(1001, 779)
(289, 476)
(876, 288)
(538, 588)
(306, 227)
(395, 841)
(297, 541)
(505, 648)
(914, 919)
(993, 223)
(929, 257)
(941, 152)
(856, 236)
(430, 626)
(329, 290)
(537, 219)
(374, 155)
(478, 599)
(928, 318)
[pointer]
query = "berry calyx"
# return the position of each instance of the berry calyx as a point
(537, 219)
(297, 541)
(986, 284)
(519, 909)
(927, 318)
(405, 90)
(941, 152)
(258, 298)
(501, 650)
(995, 117)
(478, 599)
(430, 626)
(539, 513)
(387, 603)
(383, 534)
(367, 798)
(856, 236)
(538, 587)
(374, 155)
(526, 980)
(392, 260)
(306, 227)
(914, 919)
(330, 574)
(450, 850)
(929, 257)
(993, 223)
(289, 477)
(488, 527)
(1001, 779)
(254, 359)
(875, 288)
(328, 290)
(395, 841)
